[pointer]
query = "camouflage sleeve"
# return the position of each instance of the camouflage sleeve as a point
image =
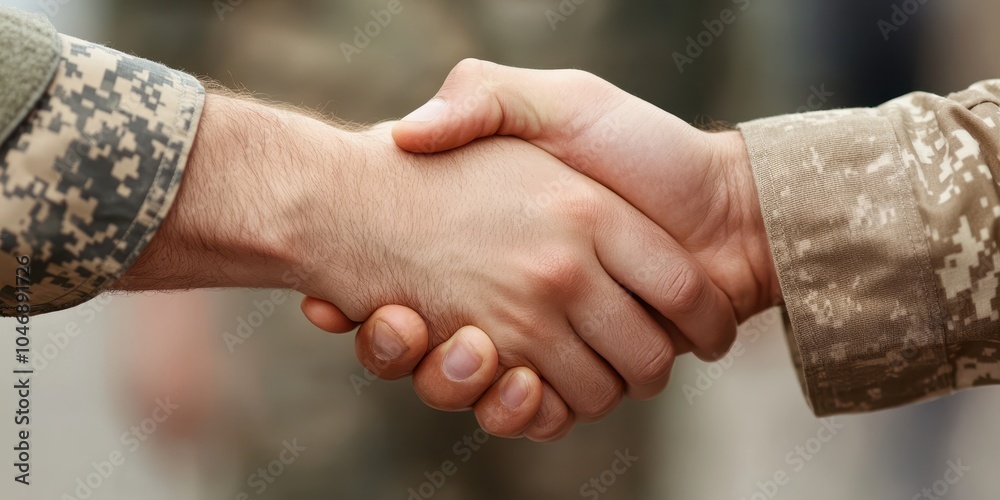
(90, 172)
(883, 227)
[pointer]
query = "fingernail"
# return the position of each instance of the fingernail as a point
(461, 361)
(427, 112)
(386, 343)
(514, 391)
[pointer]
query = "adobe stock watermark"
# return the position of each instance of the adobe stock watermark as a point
(599, 484)
(223, 7)
(365, 34)
(817, 99)
(52, 8)
(901, 14)
(747, 334)
(266, 475)
(362, 381)
(131, 440)
(797, 459)
(939, 489)
(250, 323)
(60, 340)
(562, 12)
(714, 28)
(464, 450)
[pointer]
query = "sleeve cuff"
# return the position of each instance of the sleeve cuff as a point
(852, 260)
(92, 171)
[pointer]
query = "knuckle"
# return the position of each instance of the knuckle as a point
(557, 271)
(473, 70)
(581, 205)
(591, 85)
(682, 288)
(550, 423)
(654, 364)
(585, 79)
(604, 399)
(468, 67)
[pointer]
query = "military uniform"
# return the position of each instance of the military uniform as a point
(881, 221)
(96, 142)
(883, 229)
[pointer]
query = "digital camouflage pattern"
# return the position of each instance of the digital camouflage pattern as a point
(91, 172)
(883, 227)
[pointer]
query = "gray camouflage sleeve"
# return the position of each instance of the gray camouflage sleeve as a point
(883, 226)
(91, 171)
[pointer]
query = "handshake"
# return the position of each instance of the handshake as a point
(569, 293)
(533, 245)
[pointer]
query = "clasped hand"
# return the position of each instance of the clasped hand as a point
(572, 264)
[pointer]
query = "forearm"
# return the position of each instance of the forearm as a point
(242, 211)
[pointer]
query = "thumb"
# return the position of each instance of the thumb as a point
(326, 316)
(481, 99)
(392, 342)
(389, 344)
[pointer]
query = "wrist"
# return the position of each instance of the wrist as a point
(732, 154)
(232, 223)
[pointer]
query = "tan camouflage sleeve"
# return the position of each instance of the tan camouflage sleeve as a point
(91, 171)
(883, 225)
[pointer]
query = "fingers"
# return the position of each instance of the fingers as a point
(681, 344)
(584, 380)
(511, 404)
(655, 267)
(516, 404)
(554, 419)
(455, 374)
(326, 316)
(480, 99)
(623, 333)
(391, 342)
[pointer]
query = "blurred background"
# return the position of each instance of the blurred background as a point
(289, 414)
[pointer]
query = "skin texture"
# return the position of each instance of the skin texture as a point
(497, 237)
(696, 185)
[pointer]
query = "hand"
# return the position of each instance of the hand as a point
(471, 237)
(594, 323)
(696, 185)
